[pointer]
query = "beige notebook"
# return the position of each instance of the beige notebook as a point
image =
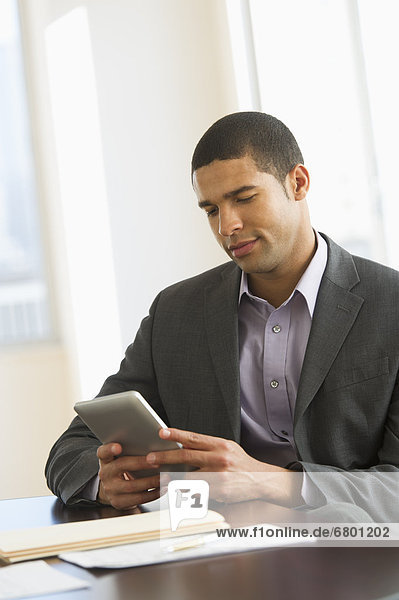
(39, 542)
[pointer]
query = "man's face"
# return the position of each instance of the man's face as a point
(257, 221)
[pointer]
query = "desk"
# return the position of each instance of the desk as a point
(282, 574)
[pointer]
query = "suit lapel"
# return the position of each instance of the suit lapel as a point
(335, 312)
(221, 303)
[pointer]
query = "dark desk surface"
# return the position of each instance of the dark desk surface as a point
(292, 573)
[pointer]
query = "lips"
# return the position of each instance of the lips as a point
(242, 249)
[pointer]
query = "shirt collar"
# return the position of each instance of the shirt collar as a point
(309, 283)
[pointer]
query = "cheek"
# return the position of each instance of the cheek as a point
(277, 221)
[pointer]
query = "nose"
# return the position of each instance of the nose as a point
(229, 222)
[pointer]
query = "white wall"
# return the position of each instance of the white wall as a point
(164, 74)
(35, 393)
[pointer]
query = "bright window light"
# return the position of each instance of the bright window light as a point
(84, 201)
(24, 306)
(379, 23)
(327, 69)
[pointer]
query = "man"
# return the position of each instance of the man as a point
(284, 359)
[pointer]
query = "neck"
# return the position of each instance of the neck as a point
(276, 288)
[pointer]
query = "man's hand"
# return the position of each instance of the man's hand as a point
(253, 479)
(117, 487)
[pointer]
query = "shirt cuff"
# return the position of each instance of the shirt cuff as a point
(90, 490)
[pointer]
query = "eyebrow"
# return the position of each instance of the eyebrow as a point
(240, 190)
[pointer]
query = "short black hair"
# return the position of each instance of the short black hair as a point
(267, 140)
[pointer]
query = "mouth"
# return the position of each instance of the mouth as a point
(242, 249)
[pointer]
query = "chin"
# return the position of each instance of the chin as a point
(246, 266)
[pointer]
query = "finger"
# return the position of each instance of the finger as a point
(195, 458)
(133, 486)
(124, 464)
(111, 488)
(189, 439)
(125, 501)
(107, 452)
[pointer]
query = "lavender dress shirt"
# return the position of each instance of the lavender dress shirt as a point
(272, 348)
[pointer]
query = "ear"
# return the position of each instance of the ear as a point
(298, 182)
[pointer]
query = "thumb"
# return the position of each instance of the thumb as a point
(107, 452)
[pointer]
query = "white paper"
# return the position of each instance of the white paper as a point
(161, 551)
(35, 578)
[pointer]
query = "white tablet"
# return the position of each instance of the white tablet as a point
(128, 419)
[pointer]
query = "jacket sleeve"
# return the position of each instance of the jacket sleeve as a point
(375, 488)
(73, 462)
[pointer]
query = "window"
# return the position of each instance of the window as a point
(327, 68)
(24, 307)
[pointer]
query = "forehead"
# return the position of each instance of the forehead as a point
(222, 177)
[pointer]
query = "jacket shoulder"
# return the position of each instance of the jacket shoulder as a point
(195, 284)
(350, 271)
(370, 269)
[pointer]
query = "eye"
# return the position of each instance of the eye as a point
(211, 212)
(246, 199)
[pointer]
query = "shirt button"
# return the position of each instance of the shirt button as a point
(284, 432)
(274, 384)
(276, 329)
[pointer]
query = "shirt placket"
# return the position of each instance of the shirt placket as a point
(274, 373)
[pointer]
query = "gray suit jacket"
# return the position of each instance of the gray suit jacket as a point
(185, 362)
